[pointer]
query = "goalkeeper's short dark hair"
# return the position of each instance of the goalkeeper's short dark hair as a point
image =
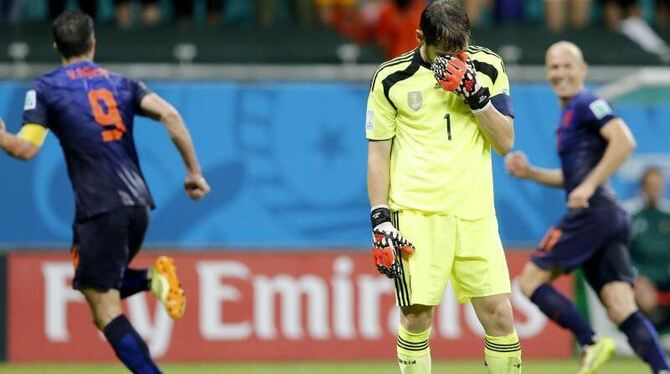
(445, 23)
(73, 33)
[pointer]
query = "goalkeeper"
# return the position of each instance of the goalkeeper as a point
(433, 115)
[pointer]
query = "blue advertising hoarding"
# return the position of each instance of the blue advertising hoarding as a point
(286, 162)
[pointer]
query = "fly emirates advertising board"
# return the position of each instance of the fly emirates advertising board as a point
(255, 306)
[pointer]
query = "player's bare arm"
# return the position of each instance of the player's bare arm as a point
(379, 160)
(620, 144)
(157, 108)
(497, 128)
(16, 146)
(517, 165)
(387, 244)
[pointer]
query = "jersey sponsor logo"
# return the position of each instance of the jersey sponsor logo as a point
(370, 120)
(31, 100)
(600, 108)
(414, 100)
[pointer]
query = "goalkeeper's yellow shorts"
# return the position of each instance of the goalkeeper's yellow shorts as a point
(468, 252)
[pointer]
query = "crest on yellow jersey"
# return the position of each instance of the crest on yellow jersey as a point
(414, 100)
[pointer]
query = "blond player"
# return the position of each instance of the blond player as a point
(433, 116)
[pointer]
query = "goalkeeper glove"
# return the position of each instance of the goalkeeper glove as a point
(449, 72)
(387, 243)
(448, 69)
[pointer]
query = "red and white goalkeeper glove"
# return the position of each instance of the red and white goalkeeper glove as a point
(458, 74)
(388, 244)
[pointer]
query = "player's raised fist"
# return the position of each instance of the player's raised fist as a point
(516, 164)
(196, 186)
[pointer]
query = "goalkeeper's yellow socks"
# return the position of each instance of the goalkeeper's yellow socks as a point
(502, 354)
(413, 351)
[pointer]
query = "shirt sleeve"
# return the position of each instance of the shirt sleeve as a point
(596, 112)
(503, 103)
(380, 115)
(35, 110)
(501, 82)
(139, 90)
(500, 96)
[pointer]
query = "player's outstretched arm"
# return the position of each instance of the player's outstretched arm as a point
(16, 146)
(517, 165)
(157, 108)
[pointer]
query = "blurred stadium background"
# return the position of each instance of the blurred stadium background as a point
(275, 261)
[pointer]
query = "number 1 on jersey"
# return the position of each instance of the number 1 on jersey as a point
(448, 118)
(109, 117)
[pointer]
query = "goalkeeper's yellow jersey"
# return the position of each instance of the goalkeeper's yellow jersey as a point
(440, 160)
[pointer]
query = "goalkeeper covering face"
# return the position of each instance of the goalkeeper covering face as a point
(433, 116)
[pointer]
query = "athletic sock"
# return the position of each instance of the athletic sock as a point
(562, 311)
(413, 352)
(134, 281)
(129, 346)
(643, 338)
(502, 354)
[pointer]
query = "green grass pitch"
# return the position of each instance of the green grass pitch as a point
(617, 366)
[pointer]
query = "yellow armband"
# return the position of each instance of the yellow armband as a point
(33, 133)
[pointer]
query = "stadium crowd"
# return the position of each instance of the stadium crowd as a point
(558, 14)
(381, 22)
